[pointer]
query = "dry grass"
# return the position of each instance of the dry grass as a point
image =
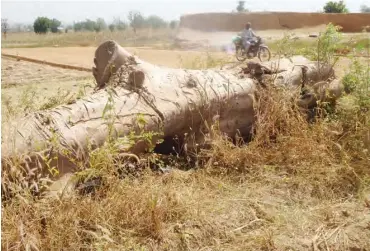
(186, 211)
(295, 186)
(27, 87)
(155, 38)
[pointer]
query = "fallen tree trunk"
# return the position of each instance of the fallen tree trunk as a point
(163, 100)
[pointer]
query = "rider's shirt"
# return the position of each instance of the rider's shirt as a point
(248, 34)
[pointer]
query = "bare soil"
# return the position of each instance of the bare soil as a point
(83, 56)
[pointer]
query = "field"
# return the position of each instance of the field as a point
(308, 190)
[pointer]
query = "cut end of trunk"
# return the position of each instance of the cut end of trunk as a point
(109, 57)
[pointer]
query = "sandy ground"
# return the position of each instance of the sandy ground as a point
(83, 56)
(19, 77)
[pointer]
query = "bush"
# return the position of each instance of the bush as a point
(335, 7)
(41, 25)
(326, 47)
(357, 81)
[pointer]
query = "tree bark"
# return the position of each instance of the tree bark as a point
(170, 101)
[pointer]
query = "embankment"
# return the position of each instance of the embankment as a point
(212, 22)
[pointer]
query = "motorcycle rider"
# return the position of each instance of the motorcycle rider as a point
(247, 36)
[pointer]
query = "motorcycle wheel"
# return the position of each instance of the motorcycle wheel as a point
(240, 55)
(264, 54)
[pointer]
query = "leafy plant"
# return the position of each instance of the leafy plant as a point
(357, 82)
(327, 45)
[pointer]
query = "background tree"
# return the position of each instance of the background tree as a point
(174, 24)
(4, 26)
(365, 8)
(240, 7)
(18, 27)
(41, 25)
(77, 26)
(136, 20)
(119, 24)
(100, 25)
(155, 22)
(29, 27)
(87, 25)
(68, 28)
(112, 27)
(335, 7)
(54, 25)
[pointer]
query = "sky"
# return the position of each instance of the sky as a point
(26, 11)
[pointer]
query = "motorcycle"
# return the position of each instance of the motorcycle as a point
(257, 49)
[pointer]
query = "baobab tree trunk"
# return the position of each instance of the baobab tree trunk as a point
(170, 101)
